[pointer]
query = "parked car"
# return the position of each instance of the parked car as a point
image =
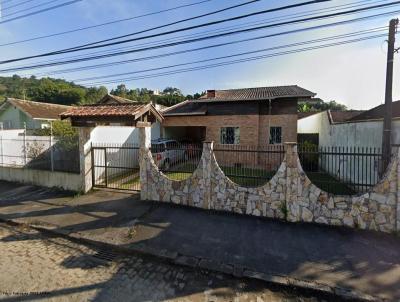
(167, 152)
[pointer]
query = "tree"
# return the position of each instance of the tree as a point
(94, 94)
(172, 91)
(121, 91)
(66, 135)
(58, 91)
(320, 105)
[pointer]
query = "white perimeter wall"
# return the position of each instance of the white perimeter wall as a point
(121, 134)
(360, 134)
(66, 181)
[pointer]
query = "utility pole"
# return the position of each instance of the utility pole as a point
(387, 122)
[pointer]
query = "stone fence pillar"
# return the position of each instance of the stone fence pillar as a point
(292, 182)
(207, 172)
(144, 161)
(85, 158)
(398, 192)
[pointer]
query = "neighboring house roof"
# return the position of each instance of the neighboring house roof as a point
(377, 113)
(113, 99)
(334, 116)
(111, 112)
(343, 116)
(257, 93)
(37, 110)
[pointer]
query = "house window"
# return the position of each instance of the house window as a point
(6, 125)
(275, 135)
(230, 135)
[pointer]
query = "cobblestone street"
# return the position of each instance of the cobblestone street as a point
(40, 268)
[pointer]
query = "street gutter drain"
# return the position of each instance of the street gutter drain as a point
(105, 256)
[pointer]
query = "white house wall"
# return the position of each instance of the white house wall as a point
(360, 134)
(311, 124)
(121, 134)
(118, 135)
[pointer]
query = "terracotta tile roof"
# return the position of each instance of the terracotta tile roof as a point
(343, 116)
(258, 93)
(39, 110)
(377, 113)
(113, 99)
(112, 111)
(104, 110)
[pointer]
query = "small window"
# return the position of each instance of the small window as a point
(230, 135)
(275, 135)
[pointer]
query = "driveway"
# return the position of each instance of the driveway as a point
(366, 262)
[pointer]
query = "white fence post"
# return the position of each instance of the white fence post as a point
(145, 143)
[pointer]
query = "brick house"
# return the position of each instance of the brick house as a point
(250, 116)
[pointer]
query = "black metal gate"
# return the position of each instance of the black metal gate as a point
(115, 166)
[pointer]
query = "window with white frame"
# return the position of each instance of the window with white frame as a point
(275, 135)
(230, 135)
(7, 124)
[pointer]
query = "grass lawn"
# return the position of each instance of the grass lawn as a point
(329, 184)
(242, 176)
(246, 177)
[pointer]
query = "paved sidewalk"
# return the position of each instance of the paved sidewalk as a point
(365, 262)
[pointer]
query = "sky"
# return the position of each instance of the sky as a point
(352, 74)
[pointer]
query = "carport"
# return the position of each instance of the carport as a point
(185, 133)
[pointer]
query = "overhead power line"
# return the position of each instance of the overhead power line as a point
(105, 24)
(161, 55)
(40, 11)
(255, 58)
(210, 37)
(86, 46)
(220, 30)
(29, 8)
(6, 1)
(329, 38)
(15, 5)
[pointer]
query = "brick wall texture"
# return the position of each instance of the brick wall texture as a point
(254, 129)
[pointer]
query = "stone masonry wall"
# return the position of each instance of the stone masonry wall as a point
(375, 210)
(289, 195)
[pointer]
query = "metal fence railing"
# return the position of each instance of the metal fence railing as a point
(249, 166)
(342, 170)
(177, 160)
(41, 153)
(116, 166)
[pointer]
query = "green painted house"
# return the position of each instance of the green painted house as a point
(16, 114)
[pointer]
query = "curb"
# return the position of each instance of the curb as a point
(208, 264)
